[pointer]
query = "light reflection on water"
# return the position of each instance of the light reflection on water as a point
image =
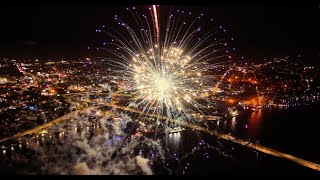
(247, 126)
(174, 141)
(233, 124)
(255, 120)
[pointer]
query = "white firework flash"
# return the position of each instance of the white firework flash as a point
(166, 71)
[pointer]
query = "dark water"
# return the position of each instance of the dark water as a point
(292, 130)
(224, 158)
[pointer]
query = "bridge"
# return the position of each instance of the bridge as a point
(226, 137)
(46, 125)
(235, 140)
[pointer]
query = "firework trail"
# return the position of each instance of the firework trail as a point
(155, 14)
(167, 75)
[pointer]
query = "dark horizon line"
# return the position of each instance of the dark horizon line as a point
(73, 57)
(164, 2)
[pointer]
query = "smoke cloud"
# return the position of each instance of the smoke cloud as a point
(104, 150)
(143, 164)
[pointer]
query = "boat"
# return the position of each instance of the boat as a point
(175, 130)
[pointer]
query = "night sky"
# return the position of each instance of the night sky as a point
(66, 30)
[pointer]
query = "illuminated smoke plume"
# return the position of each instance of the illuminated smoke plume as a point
(77, 151)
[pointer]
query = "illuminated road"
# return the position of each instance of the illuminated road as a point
(55, 121)
(245, 143)
(248, 144)
(46, 125)
(264, 149)
(34, 79)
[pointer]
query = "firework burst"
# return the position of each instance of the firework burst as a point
(166, 71)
